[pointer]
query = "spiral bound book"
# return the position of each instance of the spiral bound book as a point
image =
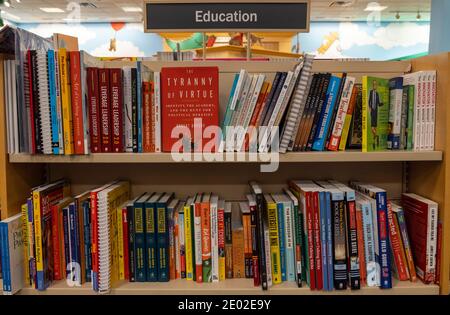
(44, 103)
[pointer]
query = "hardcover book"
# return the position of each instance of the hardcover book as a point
(188, 93)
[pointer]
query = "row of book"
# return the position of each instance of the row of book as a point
(331, 111)
(324, 234)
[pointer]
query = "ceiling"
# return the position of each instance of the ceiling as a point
(28, 11)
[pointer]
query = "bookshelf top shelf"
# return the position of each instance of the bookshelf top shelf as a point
(230, 286)
(302, 157)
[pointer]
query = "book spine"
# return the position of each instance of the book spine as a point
(177, 240)
(352, 244)
(431, 244)
(4, 256)
(361, 251)
(116, 90)
(383, 241)
(139, 106)
(94, 241)
(77, 106)
(182, 241)
(198, 242)
(325, 119)
(66, 228)
(58, 104)
(74, 251)
(134, 108)
(317, 242)
(395, 112)
(411, 112)
(147, 109)
(157, 90)
(247, 246)
(267, 254)
(171, 245)
(214, 242)
(298, 224)
(120, 241)
(87, 240)
(272, 213)
(25, 232)
(369, 247)
(34, 92)
(330, 236)
(397, 249)
(348, 119)
(140, 242)
(323, 239)
(155, 233)
(131, 243)
(310, 239)
(437, 277)
(125, 242)
(188, 242)
(38, 241)
(65, 101)
(57, 274)
(94, 117)
(228, 246)
(341, 115)
(281, 240)
(254, 243)
(53, 101)
(261, 245)
(340, 256)
(127, 110)
(365, 114)
(289, 240)
(206, 241)
(105, 110)
(221, 242)
(406, 243)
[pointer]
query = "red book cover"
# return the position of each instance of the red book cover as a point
(30, 86)
(397, 248)
(77, 102)
(116, 88)
(94, 238)
(309, 198)
(126, 239)
(221, 238)
(147, 88)
(317, 243)
(57, 274)
(361, 252)
(94, 110)
(420, 234)
(105, 112)
(189, 93)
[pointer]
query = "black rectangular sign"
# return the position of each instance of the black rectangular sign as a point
(276, 16)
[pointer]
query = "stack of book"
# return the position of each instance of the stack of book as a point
(323, 234)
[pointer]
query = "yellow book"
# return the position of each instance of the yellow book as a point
(39, 260)
(26, 255)
(188, 239)
(348, 118)
(66, 102)
(272, 214)
(365, 116)
(120, 243)
(222, 274)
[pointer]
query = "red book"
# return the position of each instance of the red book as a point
(221, 238)
(147, 88)
(317, 243)
(105, 112)
(421, 220)
(361, 253)
(257, 112)
(397, 248)
(189, 93)
(206, 238)
(309, 198)
(198, 252)
(77, 102)
(116, 88)
(126, 238)
(94, 110)
(254, 244)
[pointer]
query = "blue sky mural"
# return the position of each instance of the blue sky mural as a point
(326, 39)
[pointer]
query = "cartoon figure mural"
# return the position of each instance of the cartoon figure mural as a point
(116, 26)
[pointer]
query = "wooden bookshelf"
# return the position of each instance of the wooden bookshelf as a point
(424, 173)
(306, 157)
(229, 287)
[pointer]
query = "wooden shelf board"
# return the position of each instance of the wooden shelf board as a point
(230, 287)
(304, 157)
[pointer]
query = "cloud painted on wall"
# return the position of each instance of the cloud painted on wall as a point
(78, 30)
(388, 37)
(123, 49)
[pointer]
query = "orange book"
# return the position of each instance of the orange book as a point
(206, 238)
(397, 248)
(238, 243)
(245, 212)
(361, 252)
(147, 88)
(77, 102)
(256, 117)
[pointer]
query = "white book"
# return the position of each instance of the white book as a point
(181, 236)
(266, 140)
(14, 126)
(12, 254)
(414, 79)
(7, 87)
(267, 253)
(197, 236)
(238, 90)
(289, 91)
(44, 102)
(127, 110)
(247, 116)
(157, 133)
(289, 237)
(214, 201)
(433, 111)
(244, 108)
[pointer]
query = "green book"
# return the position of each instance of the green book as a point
(375, 113)
(410, 125)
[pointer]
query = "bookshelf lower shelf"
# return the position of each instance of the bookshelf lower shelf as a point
(304, 157)
(230, 287)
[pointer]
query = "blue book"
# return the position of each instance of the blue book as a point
(329, 233)
(326, 114)
(87, 238)
(162, 237)
(139, 238)
(53, 100)
(323, 238)
(395, 112)
(150, 226)
(229, 111)
(281, 239)
(139, 106)
(289, 237)
(4, 243)
(31, 260)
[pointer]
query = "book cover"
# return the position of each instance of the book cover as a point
(188, 93)
(396, 243)
(64, 72)
(272, 213)
(399, 213)
(395, 113)
(221, 238)
(348, 119)
(152, 229)
(116, 90)
(140, 242)
(77, 102)
(355, 136)
(375, 113)
(105, 110)
(361, 250)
